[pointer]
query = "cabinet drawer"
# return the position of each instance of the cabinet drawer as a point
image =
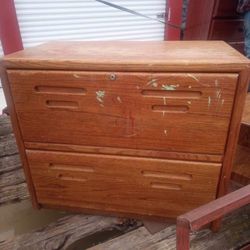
(134, 185)
(226, 8)
(227, 30)
(182, 112)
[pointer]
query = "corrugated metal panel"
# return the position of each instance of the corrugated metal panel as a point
(45, 20)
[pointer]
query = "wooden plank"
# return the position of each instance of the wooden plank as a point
(5, 125)
(10, 163)
(234, 233)
(131, 56)
(67, 230)
(8, 145)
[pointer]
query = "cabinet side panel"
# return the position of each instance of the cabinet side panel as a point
(233, 133)
(17, 132)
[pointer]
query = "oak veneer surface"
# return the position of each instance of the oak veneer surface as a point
(129, 56)
(134, 128)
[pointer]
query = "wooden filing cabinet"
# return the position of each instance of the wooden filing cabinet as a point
(132, 128)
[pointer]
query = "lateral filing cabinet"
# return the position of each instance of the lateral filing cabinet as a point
(131, 128)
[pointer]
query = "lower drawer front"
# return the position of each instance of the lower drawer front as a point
(132, 185)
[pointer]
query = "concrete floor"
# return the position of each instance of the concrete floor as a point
(19, 218)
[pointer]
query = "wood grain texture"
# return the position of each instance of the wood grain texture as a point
(130, 56)
(124, 152)
(126, 117)
(121, 184)
(67, 230)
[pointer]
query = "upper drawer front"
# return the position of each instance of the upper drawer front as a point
(227, 30)
(182, 112)
(226, 8)
(143, 186)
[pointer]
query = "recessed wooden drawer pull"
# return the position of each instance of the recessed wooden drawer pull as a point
(168, 186)
(85, 169)
(62, 104)
(170, 108)
(70, 178)
(60, 90)
(180, 94)
(155, 174)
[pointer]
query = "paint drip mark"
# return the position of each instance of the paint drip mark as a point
(193, 77)
(100, 94)
(218, 94)
(164, 100)
(169, 87)
(209, 101)
(119, 99)
(166, 132)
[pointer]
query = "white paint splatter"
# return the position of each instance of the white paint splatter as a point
(100, 94)
(193, 77)
(166, 132)
(189, 102)
(222, 101)
(164, 100)
(119, 99)
(169, 87)
(189, 86)
(76, 75)
(209, 101)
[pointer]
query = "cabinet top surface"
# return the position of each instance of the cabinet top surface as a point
(130, 56)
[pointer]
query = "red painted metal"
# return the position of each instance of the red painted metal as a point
(173, 17)
(9, 29)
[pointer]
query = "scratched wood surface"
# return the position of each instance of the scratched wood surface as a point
(130, 56)
(133, 110)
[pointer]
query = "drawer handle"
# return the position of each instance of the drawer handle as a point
(172, 94)
(60, 90)
(66, 167)
(170, 108)
(167, 186)
(62, 104)
(156, 174)
(70, 178)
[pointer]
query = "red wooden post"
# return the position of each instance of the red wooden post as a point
(182, 235)
(173, 17)
(211, 211)
(9, 29)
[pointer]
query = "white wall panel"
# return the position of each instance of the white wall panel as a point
(45, 20)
